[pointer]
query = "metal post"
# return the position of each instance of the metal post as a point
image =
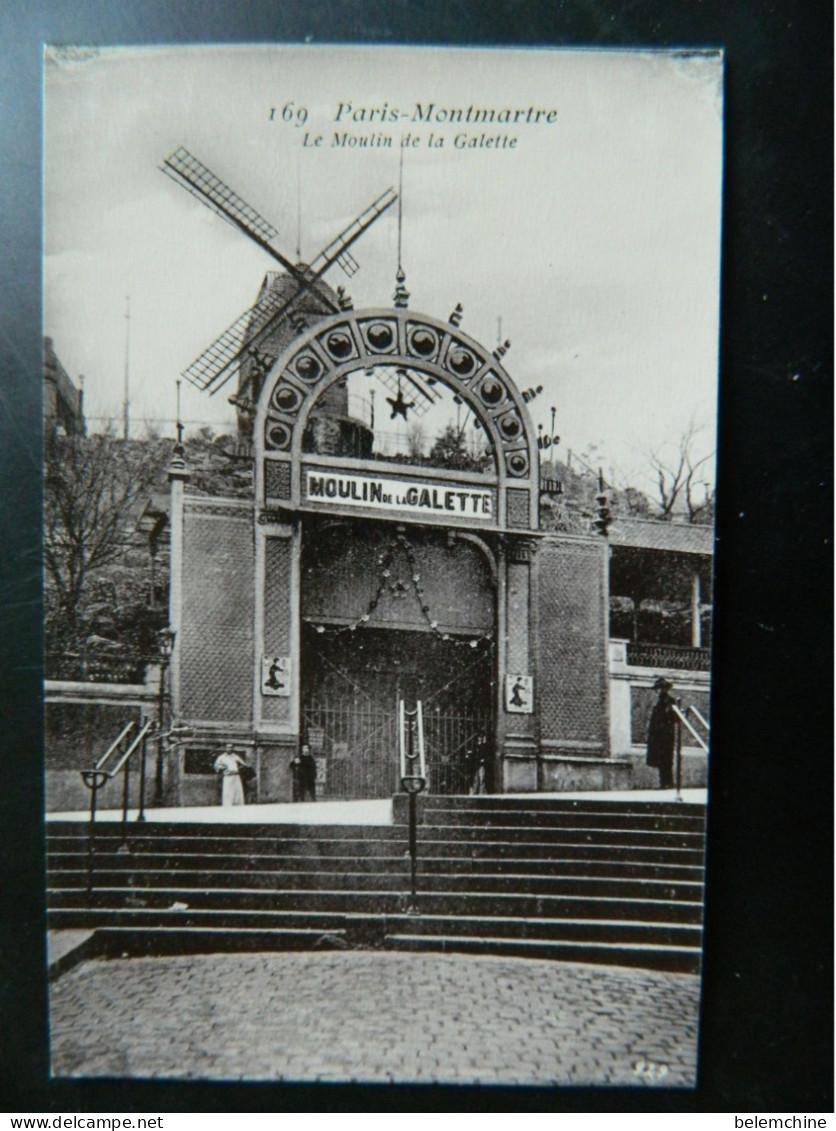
(413, 842)
(93, 779)
(142, 757)
(158, 780)
(90, 836)
(412, 783)
(678, 766)
(126, 782)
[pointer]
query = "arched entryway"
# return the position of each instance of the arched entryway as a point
(392, 613)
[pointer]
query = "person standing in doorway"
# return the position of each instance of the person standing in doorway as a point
(307, 775)
(303, 773)
(661, 733)
(229, 766)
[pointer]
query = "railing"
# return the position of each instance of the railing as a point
(674, 656)
(682, 721)
(413, 769)
(101, 774)
(97, 668)
(695, 714)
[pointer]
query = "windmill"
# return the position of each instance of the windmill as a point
(247, 335)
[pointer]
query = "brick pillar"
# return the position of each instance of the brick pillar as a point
(278, 546)
(573, 697)
(517, 731)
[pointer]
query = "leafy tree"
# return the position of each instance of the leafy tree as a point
(450, 450)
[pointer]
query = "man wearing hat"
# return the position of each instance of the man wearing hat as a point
(661, 734)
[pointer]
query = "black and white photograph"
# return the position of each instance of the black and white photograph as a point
(379, 427)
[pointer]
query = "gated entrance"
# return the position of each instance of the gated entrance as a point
(352, 683)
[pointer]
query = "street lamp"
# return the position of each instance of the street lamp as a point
(165, 647)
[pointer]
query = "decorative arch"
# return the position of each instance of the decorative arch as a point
(346, 342)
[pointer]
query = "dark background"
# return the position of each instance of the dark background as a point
(766, 1040)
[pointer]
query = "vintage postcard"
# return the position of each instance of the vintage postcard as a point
(379, 423)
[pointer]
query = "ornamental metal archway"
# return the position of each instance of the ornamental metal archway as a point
(440, 352)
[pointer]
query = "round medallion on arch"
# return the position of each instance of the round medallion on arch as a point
(517, 463)
(422, 341)
(286, 398)
(380, 336)
(462, 362)
(278, 435)
(510, 426)
(338, 343)
(308, 367)
(492, 392)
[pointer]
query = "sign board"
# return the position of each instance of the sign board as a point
(444, 499)
(321, 772)
(519, 694)
(275, 675)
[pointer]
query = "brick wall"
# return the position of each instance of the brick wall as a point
(572, 670)
(277, 625)
(216, 633)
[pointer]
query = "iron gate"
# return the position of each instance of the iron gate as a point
(350, 721)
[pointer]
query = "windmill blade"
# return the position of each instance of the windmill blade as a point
(190, 173)
(337, 248)
(213, 368)
(215, 365)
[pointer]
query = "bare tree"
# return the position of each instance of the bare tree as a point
(677, 481)
(91, 484)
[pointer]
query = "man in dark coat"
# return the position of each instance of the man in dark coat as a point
(303, 771)
(307, 775)
(661, 733)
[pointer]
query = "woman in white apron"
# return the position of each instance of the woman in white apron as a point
(232, 789)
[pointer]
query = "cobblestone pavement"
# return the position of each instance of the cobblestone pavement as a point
(373, 1016)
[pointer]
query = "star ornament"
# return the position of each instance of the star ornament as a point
(400, 407)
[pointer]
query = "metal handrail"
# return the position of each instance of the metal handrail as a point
(149, 726)
(693, 710)
(98, 776)
(685, 723)
(126, 730)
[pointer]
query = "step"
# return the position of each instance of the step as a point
(396, 879)
(679, 960)
(625, 804)
(388, 902)
(225, 837)
(401, 923)
(464, 864)
(64, 862)
(170, 940)
(567, 929)
(548, 819)
(454, 840)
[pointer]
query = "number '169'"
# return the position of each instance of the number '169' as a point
(290, 113)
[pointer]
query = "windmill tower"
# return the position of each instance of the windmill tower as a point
(288, 302)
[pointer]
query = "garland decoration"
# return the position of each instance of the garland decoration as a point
(399, 588)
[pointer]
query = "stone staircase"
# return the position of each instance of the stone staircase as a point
(617, 882)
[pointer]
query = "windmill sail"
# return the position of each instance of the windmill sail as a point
(213, 368)
(216, 364)
(338, 247)
(190, 173)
